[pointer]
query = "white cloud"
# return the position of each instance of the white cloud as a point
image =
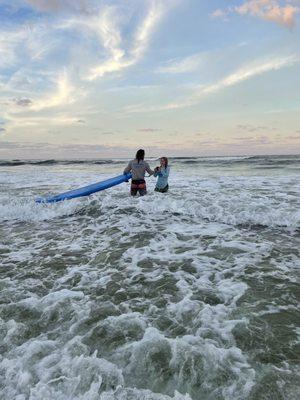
(10, 41)
(242, 74)
(219, 13)
(253, 69)
(123, 49)
(119, 58)
(25, 44)
(107, 28)
(187, 64)
(64, 94)
(146, 28)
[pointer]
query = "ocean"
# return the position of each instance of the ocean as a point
(193, 294)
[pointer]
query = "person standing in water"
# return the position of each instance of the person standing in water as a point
(162, 174)
(138, 168)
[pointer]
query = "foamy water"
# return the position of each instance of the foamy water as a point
(189, 295)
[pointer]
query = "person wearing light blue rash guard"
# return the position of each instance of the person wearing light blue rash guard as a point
(162, 174)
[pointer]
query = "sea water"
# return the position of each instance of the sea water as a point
(193, 294)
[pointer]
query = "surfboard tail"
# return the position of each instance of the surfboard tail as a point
(86, 190)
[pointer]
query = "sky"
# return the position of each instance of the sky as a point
(102, 78)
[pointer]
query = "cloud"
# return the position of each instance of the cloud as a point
(22, 102)
(249, 71)
(24, 44)
(293, 137)
(219, 13)
(123, 48)
(208, 142)
(62, 5)
(15, 121)
(248, 144)
(28, 150)
(10, 42)
(244, 73)
(252, 140)
(2, 129)
(64, 94)
(269, 10)
(252, 128)
(188, 64)
(21, 111)
(149, 130)
(108, 30)
(111, 39)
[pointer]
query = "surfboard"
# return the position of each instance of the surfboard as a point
(86, 190)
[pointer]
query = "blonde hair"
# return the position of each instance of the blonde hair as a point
(165, 160)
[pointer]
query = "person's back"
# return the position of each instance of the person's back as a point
(138, 167)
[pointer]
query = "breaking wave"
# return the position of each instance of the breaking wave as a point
(185, 296)
(252, 161)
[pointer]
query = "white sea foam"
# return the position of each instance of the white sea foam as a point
(245, 201)
(155, 298)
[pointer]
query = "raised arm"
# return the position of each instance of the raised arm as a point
(128, 168)
(148, 169)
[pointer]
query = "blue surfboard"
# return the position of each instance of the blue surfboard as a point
(86, 190)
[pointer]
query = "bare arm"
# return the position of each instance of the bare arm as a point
(148, 169)
(128, 168)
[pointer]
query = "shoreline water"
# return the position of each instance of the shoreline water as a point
(124, 159)
(185, 296)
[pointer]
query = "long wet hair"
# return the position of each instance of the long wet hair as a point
(166, 161)
(140, 155)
